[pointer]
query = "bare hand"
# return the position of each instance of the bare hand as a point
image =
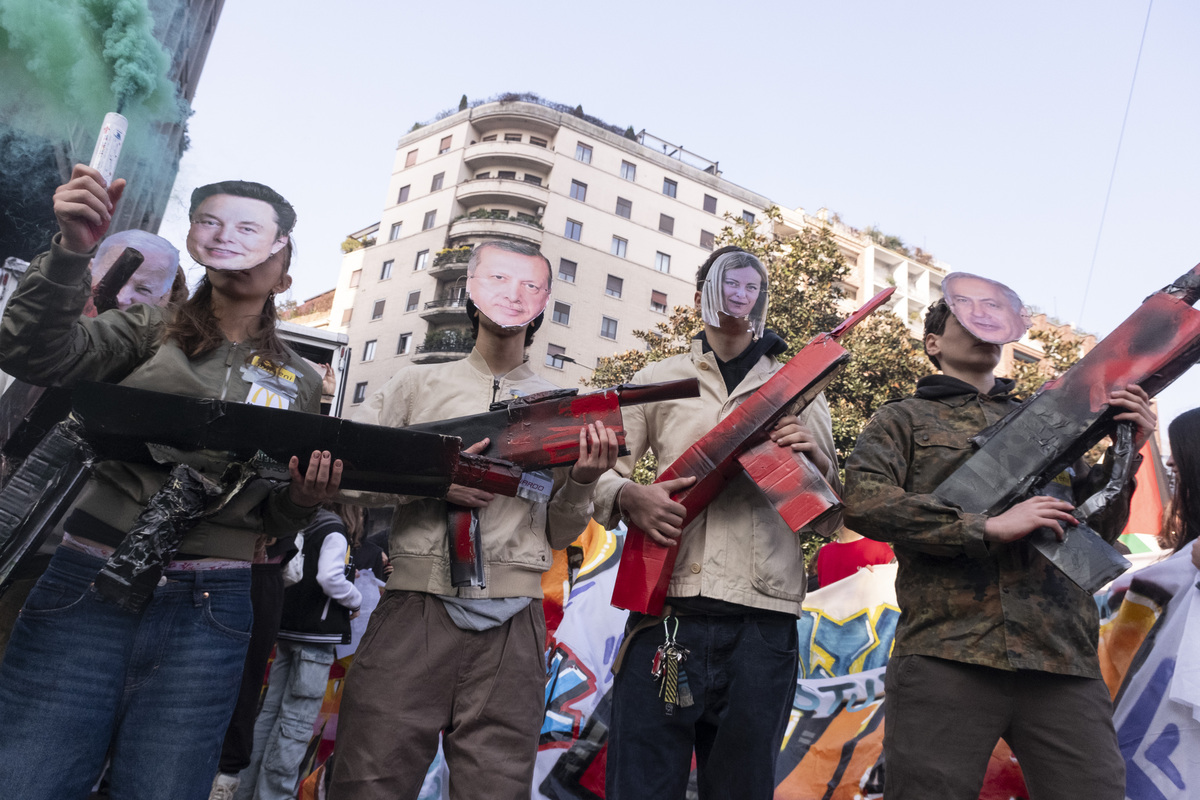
(1136, 402)
(320, 482)
(354, 614)
(597, 452)
(468, 496)
(652, 510)
(84, 208)
(790, 431)
(1027, 516)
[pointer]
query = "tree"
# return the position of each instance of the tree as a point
(1060, 354)
(807, 271)
(462, 103)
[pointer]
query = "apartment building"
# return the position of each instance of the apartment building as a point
(624, 222)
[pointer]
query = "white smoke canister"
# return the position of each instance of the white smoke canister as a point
(108, 145)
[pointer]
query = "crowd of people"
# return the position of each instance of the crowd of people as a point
(161, 697)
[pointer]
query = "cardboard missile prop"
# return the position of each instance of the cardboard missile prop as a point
(1021, 455)
(741, 443)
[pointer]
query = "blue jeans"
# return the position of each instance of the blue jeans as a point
(742, 675)
(83, 679)
(299, 676)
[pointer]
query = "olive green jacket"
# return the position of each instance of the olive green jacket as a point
(961, 598)
(45, 341)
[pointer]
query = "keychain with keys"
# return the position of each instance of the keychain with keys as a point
(667, 666)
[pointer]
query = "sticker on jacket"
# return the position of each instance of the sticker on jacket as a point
(536, 486)
(276, 387)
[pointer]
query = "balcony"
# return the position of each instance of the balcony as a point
(439, 353)
(508, 154)
(503, 190)
(490, 227)
(447, 310)
(450, 263)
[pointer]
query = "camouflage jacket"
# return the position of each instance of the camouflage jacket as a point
(963, 599)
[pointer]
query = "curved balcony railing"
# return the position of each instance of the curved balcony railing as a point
(499, 154)
(503, 190)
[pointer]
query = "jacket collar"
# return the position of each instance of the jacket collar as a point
(954, 392)
(476, 362)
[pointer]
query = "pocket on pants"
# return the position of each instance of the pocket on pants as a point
(50, 597)
(229, 612)
(311, 673)
(287, 754)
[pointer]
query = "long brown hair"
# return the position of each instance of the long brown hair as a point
(194, 326)
(1181, 522)
(352, 516)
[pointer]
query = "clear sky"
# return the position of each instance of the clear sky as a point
(982, 133)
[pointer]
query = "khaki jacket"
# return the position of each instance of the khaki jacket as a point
(738, 549)
(45, 341)
(518, 535)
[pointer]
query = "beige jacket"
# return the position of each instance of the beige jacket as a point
(517, 534)
(738, 549)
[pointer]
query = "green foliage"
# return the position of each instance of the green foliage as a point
(350, 244)
(807, 272)
(1060, 355)
(630, 133)
(462, 103)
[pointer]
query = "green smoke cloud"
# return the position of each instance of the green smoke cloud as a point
(64, 63)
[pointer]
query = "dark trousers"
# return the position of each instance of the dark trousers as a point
(266, 597)
(945, 717)
(742, 675)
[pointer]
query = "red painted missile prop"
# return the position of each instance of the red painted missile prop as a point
(536, 432)
(740, 442)
(540, 431)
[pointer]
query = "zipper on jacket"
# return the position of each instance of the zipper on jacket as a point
(228, 370)
(495, 387)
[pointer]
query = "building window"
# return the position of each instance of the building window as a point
(579, 191)
(491, 137)
(624, 208)
(377, 311)
(421, 261)
(658, 302)
(562, 313)
(512, 137)
(608, 328)
(748, 216)
(536, 142)
(410, 159)
(360, 392)
(554, 354)
(403, 198)
(628, 171)
(430, 220)
(369, 350)
(574, 230)
(710, 204)
(355, 278)
(507, 175)
(662, 262)
(618, 247)
(414, 300)
(436, 183)
(613, 286)
(349, 312)
(534, 179)
(566, 270)
(385, 272)
(666, 224)
(670, 187)
(707, 240)
(583, 153)
(444, 147)
(395, 232)
(404, 345)
(479, 176)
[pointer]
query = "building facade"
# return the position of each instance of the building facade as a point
(625, 223)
